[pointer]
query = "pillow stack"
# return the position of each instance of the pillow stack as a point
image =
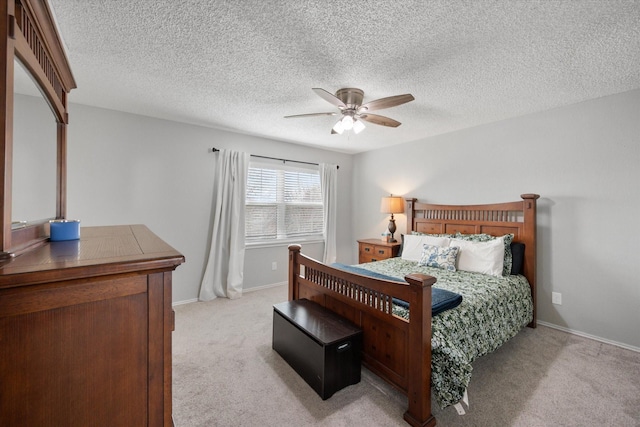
(479, 253)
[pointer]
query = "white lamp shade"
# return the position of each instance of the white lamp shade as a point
(338, 127)
(392, 205)
(347, 122)
(358, 127)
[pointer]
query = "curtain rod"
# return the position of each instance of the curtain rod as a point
(215, 150)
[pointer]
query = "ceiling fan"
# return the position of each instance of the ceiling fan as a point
(349, 101)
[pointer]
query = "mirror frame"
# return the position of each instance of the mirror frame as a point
(29, 32)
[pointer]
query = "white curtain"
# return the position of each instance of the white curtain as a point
(224, 269)
(329, 186)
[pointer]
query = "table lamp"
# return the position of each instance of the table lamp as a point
(392, 205)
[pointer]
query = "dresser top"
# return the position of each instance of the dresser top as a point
(100, 251)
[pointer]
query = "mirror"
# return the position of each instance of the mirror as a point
(34, 153)
(34, 168)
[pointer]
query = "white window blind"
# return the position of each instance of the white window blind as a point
(282, 202)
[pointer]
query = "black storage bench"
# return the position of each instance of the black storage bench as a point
(322, 347)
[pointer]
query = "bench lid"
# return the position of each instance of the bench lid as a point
(320, 323)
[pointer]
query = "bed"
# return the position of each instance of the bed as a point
(398, 338)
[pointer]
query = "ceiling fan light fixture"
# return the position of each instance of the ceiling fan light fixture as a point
(358, 126)
(338, 127)
(354, 112)
(347, 122)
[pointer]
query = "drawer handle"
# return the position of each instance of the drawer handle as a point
(381, 251)
(344, 347)
(367, 249)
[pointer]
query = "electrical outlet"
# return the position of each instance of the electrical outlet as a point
(274, 266)
(556, 298)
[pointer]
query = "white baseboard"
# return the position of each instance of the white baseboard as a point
(259, 288)
(244, 291)
(187, 301)
(593, 337)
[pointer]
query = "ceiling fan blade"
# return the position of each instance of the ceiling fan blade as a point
(388, 102)
(380, 120)
(329, 97)
(310, 115)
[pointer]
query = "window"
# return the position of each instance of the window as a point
(282, 202)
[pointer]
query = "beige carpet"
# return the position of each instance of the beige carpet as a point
(226, 374)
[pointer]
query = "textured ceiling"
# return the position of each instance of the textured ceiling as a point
(244, 65)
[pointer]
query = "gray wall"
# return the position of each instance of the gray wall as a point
(130, 169)
(584, 161)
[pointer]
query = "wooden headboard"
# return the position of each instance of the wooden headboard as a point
(497, 219)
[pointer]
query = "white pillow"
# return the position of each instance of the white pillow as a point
(414, 244)
(481, 257)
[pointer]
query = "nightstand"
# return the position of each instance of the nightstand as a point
(376, 250)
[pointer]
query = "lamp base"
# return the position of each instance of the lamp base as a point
(392, 229)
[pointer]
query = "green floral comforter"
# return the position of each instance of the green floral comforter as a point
(492, 311)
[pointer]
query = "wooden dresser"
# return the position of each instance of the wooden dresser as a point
(376, 250)
(85, 331)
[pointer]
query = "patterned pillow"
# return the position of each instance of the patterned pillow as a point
(439, 257)
(482, 237)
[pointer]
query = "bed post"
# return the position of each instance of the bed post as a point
(294, 271)
(529, 240)
(419, 349)
(411, 214)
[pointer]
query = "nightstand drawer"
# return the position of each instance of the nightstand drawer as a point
(367, 249)
(375, 250)
(379, 252)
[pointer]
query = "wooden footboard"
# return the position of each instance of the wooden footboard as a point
(397, 350)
